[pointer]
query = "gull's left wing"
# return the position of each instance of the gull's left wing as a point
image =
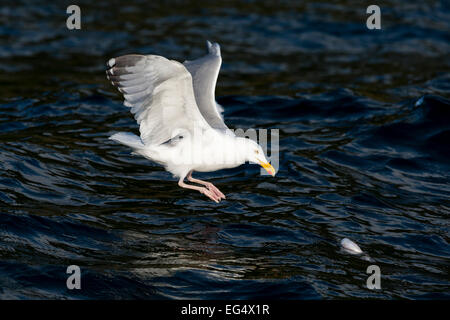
(204, 73)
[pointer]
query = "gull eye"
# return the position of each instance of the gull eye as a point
(256, 151)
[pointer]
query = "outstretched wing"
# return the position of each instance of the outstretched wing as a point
(160, 94)
(204, 73)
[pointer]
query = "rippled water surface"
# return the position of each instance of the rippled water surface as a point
(364, 120)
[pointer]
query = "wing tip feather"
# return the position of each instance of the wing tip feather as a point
(213, 48)
(111, 62)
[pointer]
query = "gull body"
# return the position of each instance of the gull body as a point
(210, 151)
(181, 126)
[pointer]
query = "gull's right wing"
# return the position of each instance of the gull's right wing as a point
(160, 94)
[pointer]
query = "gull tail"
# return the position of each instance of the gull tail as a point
(129, 139)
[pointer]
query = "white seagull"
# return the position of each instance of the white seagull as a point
(180, 123)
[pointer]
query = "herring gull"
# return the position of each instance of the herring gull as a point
(180, 123)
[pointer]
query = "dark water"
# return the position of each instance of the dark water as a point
(364, 119)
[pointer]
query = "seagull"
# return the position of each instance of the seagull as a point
(180, 123)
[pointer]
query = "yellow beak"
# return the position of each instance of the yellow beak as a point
(268, 167)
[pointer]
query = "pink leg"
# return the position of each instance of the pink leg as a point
(207, 184)
(203, 190)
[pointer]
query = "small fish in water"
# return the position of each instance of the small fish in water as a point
(350, 247)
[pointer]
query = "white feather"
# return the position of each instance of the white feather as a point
(128, 139)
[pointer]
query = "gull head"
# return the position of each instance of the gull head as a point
(255, 154)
